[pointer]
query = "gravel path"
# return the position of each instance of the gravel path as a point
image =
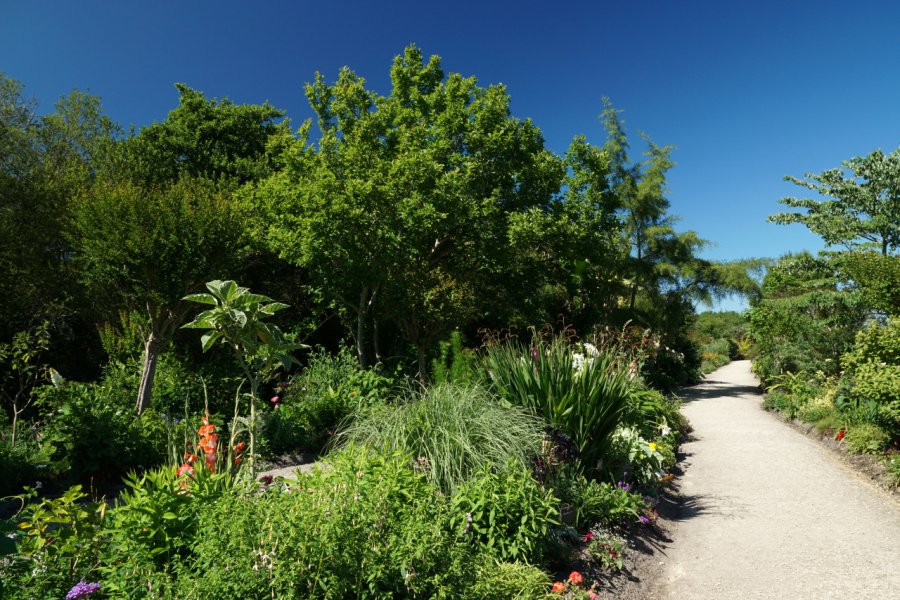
(768, 513)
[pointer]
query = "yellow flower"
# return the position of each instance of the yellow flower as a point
(652, 447)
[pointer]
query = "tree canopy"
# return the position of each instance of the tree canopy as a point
(861, 206)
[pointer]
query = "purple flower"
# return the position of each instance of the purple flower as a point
(82, 590)
(643, 519)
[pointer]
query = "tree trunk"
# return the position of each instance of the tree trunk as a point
(379, 360)
(151, 356)
(362, 311)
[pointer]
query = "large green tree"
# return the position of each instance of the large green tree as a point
(402, 212)
(162, 220)
(861, 205)
(143, 249)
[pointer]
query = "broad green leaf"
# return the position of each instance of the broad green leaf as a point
(202, 299)
(209, 339)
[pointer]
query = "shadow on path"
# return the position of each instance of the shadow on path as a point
(712, 389)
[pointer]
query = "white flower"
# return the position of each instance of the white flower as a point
(590, 349)
(578, 362)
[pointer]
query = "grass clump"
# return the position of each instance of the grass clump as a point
(452, 431)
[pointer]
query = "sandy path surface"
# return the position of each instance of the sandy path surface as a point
(768, 513)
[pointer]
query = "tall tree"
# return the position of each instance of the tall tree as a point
(862, 205)
(402, 213)
(44, 162)
(162, 220)
(145, 248)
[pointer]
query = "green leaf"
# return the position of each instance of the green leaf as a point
(202, 299)
(209, 339)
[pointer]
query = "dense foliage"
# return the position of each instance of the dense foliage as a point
(825, 330)
(418, 221)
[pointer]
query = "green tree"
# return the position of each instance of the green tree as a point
(402, 213)
(804, 320)
(44, 162)
(862, 205)
(202, 138)
(143, 248)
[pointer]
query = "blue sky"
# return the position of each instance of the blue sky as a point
(747, 92)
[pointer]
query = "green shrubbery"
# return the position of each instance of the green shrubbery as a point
(582, 394)
(314, 403)
(449, 492)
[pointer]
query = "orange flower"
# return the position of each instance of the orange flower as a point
(558, 588)
(189, 458)
(576, 578)
(239, 447)
(206, 429)
(185, 469)
(211, 461)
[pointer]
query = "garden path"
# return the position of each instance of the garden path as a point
(768, 513)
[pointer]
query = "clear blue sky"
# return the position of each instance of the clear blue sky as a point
(747, 92)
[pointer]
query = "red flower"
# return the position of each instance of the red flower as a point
(841, 434)
(588, 537)
(558, 588)
(185, 469)
(239, 447)
(576, 578)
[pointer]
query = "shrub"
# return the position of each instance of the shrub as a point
(368, 525)
(584, 395)
(314, 404)
(452, 431)
(455, 363)
(504, 512)
(94, 433)
(24, 463)
(630, 453)
(716, 354)
(893, 470)
(599, 503)
(866, 438)
(650, 412)
(58, 545)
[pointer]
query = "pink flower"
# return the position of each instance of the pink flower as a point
(275, 400)
(588, 537)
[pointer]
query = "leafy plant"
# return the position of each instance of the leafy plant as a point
(630, 452)
(366, 525)
(504, 511)
(316, 401)
(455, 362)
(21, 370)
(498, 580)
(607, 549)
(599, 503)
(452, 431)
(236, 320)
(866, 438)
(585, 399)
(59, 542)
